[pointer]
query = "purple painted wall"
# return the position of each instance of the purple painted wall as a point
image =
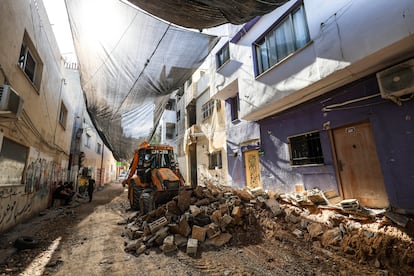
(237, 133)
(392, 126)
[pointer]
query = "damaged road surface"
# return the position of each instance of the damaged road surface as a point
(261, 236)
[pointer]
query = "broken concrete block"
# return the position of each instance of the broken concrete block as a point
(157, 224)
(194, 210)
(198, 233)
(226, 219)
(180, 240)
(237, 212)
(224, 208)
(216, 216)
(168, 244)
(172, 207)
(202, 202)
(258, 191)
(198, 192)
(184, 200)
(315, 229)
(219, 240)
(192, 245)
(183, 228)
(298, 233)
(161, 234)
(133, 245)
(350, 204)
(141, 249)
(212, 230)
(261, 200)
(331, 237)
(244, 195)
(274, 206)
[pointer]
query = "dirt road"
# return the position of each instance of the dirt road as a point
(86, 239)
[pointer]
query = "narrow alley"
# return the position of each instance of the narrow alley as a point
(89, 239)
(220, 137)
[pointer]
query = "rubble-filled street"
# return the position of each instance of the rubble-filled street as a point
(208, 230)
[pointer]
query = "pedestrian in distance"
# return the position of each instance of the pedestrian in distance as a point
(91, 187)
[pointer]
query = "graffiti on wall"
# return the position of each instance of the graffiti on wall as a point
(40, 174)
(13, 207)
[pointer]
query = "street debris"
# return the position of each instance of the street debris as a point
(213, 216)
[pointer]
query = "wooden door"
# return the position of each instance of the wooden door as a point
(358, 165)
(251, 159)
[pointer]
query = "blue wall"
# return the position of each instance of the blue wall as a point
(393, 129)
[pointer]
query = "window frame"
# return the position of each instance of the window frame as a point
(223, 55)
(234, 108)
(215, 159)
(28, 52)
(207, 109)
(98, 148)
(308, 155)
(264, 58)
(87, 140)
(63, 115)
(170, 131)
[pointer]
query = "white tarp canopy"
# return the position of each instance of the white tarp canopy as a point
(129, 61)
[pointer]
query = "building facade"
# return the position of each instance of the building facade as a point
(38, 113)
(331, 88)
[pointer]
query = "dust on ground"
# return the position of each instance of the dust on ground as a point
(86, 239)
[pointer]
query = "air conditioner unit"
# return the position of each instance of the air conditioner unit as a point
(11, 104)
(397, 81)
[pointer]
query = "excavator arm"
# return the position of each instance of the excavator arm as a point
(132, 168)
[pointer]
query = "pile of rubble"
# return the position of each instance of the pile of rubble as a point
(209, 215)
(212, 215)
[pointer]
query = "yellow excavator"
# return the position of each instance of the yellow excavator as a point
(154, 177)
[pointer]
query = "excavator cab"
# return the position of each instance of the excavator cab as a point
(154, 177)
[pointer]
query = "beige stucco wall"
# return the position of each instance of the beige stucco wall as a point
(37, 129)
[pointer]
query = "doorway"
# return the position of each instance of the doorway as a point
(251, 161)
(358, 165)
(193, 164)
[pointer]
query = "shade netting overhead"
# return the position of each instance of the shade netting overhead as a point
(202, 14)
(130, 61)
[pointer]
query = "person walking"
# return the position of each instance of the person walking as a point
(91, 187)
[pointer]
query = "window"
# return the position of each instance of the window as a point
(223, 55)
(169, 130)
(170, 105)
(29, 61)
(234, 105)
(178, 115)
(88, 141)
(12, 161)
(207, 109)
(98, 148)
(306, 149)
(63, 114)
(288, 36)
(215, 160)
